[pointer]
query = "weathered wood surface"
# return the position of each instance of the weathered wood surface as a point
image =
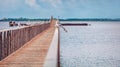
(11, 40)
(0, 45)
(33, 53)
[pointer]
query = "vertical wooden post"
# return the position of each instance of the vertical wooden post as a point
(58, 47)
(5, 45)
(0, 45)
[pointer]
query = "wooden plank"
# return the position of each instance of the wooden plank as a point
(0, 45)
(13, 38)
(7, 43)
(10, 41)
(17, 43)
(19, 38)
(4, 46)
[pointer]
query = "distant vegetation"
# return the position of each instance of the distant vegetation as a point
(22, 19)
(69, 19)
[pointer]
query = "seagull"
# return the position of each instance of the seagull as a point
(60, 25)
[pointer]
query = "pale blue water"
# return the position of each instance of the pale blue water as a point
(5, 25)
(97, 45)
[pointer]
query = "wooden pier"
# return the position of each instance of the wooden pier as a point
(32, 53)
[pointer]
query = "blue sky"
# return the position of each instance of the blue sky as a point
(62, 8)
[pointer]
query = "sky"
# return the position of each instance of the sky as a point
(61, 8)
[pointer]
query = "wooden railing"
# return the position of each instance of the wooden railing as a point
(11, 40)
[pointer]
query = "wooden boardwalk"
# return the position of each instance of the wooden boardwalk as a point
(33, 53)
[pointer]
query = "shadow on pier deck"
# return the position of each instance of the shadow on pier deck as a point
(33, 53)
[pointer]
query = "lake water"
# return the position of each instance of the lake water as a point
(97, 45)
(5, 24)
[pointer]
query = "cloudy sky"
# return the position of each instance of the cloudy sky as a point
(62, 8)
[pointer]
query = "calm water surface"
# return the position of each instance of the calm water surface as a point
(5, 25)
(97, 45)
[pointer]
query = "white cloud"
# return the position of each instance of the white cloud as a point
(53, 3)
(32, 3)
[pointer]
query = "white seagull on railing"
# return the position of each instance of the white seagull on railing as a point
(58, 25)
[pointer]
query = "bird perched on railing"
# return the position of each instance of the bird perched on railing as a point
(58, 25)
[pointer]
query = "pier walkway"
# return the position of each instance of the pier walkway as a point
(33, 53)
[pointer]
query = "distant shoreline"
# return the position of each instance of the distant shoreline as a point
(69, 19)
